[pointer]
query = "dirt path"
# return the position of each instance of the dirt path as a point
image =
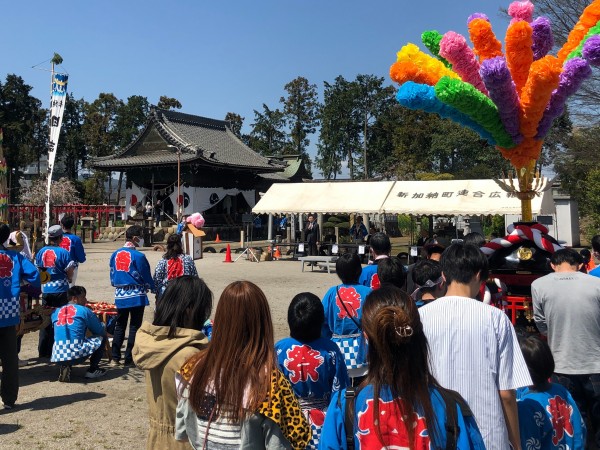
(111, 412)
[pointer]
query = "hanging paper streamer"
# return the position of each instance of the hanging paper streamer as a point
(519, 54)
(502, 91)
(543, 39)
(454, 48)
(468, 100)
(431, 40)
(574, 73)
(422, 97)
(578, 52)
(589, 18)
(485, 43)
(543, 79)
(521, 11)
(591, 51)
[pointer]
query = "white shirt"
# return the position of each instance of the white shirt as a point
(474, 350)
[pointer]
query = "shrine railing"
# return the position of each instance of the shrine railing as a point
(101, 213)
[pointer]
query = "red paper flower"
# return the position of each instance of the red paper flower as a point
(351, 300)
(560, 411)
(302, 362)
(65, 315)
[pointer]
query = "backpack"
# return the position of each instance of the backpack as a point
(451, 399)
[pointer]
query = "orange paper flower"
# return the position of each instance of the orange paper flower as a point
(485, 43)
(589, 18)
(523, 154)
(519, 54)
(544, 77)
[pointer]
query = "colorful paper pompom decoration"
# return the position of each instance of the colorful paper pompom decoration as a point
(521, 11)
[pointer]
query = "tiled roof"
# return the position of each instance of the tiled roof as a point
(201, 139)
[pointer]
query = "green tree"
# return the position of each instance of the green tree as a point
(236, 122)
(372, 100)
(72, 145)
(131, 118)
(19, 114)
(339, 137)
(165, 102)
(301, 109)
(267, 135)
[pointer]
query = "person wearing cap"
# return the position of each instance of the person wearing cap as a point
(358, 231)
(57, 263)
(131, 276)
(72, 243)
(380, 249)
(14, 269)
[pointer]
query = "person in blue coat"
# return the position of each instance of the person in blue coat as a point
(548, 415)
(14, 269)
(130, 275)
(57, 263)
(400, 404)
(72, 345)
(313, 365)
(343, 311)
(72, 243)
(381, 248)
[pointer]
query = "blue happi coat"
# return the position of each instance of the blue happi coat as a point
(14, 268)
(550, 419)
(56, 261)
(392, 425)
(315, 370)
(343, 315)
(72, 243)
(70, 325)
(130, 275)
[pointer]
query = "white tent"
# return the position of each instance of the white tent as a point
(448, 197)
(327, 197)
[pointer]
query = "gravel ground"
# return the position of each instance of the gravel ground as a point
(111, 412)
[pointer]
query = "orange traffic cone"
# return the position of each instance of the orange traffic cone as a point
(277, 253)
(228, 254)
(218, 239)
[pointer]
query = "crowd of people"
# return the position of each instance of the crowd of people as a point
(391, 357)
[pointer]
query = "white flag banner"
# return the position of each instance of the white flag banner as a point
(57, 108)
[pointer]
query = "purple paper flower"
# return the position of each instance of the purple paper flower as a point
(502, 91)
(477, 16)
(591, 50)
(543, 39)
(575, 71)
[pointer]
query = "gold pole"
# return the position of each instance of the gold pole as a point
(526, 192)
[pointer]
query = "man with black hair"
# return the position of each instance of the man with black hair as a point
(432, 250)
(130, 275)
(566, 308)
(474, 348)
(381, 248)
(312, 234)
(57, 263)
(391, 270)
(313, 365)
(14, 269)
(72, 243)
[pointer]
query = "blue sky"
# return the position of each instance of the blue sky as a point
(217, 56)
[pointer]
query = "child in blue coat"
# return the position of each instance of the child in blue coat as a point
(548, 415)
(72, 346)
(313, 365)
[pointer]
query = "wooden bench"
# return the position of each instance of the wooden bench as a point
(318, 260)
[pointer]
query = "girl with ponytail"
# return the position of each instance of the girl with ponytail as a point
(399, 404)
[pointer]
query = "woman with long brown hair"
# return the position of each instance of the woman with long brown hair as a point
(232, 395)
(399, 404)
